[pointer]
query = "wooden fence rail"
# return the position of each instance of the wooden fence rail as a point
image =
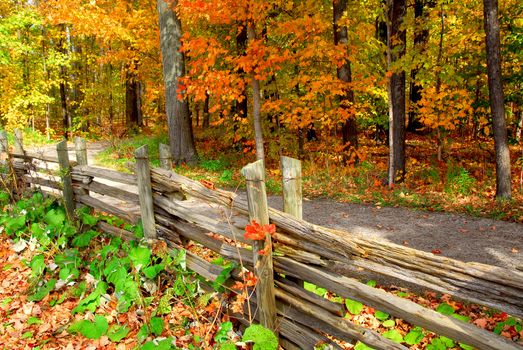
(176, 209)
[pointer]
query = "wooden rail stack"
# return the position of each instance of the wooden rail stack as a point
(175, 209)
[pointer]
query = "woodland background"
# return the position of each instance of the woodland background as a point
(386, 101)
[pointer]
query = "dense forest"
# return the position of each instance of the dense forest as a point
(301, 78)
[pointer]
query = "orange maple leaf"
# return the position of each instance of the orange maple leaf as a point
(256, 232)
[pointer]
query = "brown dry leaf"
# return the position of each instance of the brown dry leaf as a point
(515, 250)
(481, 323)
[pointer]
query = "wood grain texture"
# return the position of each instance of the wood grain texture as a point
(254, 174)
(145, 194)
(67, 182)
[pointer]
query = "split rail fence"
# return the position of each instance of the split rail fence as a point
(176, 209)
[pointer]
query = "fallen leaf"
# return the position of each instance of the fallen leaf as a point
(436, 251)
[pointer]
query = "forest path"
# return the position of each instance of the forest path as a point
(457, 236)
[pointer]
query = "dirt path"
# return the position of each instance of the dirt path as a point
(456, 236)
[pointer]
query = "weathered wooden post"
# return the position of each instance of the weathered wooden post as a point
(292, 188)
(80, 149)
(65, 174)
(4, 145)
(166, 158)
(19, 141)
(143, 172)
(292, 192)
(254, 174)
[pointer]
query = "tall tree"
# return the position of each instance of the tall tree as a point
(181, 138)
(341, 38)
(256, 103)
(421, 36)
(396, 38)
(491, 22)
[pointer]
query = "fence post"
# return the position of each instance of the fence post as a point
(67, 182)
(145, 193)
(4, 145)
(254, 174)
(166, 159)
(80, 150)
(292, 189)
(292, 193)
(19, 141)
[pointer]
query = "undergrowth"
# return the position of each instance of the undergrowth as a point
(123, 291)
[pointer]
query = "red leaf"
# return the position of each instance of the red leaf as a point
(436, 251)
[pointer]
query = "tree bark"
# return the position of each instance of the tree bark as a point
(420, 41)
(132, 104)
(396, 38)
(349, 128)
(206, 114)
(63, 92)
(179, 123)
(256, 105)
(491, 22)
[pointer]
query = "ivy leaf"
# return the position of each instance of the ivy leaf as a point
(156, 325)
(140, 257)
(389, 323)
(262, 338)
(84, 239)
(393, 335)
(415, 336)
(152, 271)
(380, 315)
(354, 307)
(55, 218)
(445, 309)
(37, 265)
(117, 333)
(90, 330)
(361, 346)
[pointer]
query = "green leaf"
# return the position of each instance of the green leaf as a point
(27, 335)
(262, 338)
(117, 333)
(389, 323)
(354, 307)
(222, 334)
(380, 315)
(37, 265)
(143, 333)
(223, 276)
(371, 283)
(43, 291)
(55, 218)
(461, 317)
(34, 320)
(165, 344)
(156, 324)
(92, 301)
(84, 239)
(140, 257)
(227, 346)
(13, 225)
(361, 346)
(466, 347)
(90, 330)
(445, 309)
(153, 271)
(414, 337)
(393, 335)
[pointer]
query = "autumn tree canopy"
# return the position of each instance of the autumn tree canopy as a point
(272, 76)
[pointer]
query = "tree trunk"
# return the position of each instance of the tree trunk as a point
(491, 22)
(206, 114)
(181, 138)
(396, 38)
(420, 41)
(256, 105)
(131, 101)
(63, 92)
(349, 128)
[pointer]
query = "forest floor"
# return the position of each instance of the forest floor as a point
(454, 235)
